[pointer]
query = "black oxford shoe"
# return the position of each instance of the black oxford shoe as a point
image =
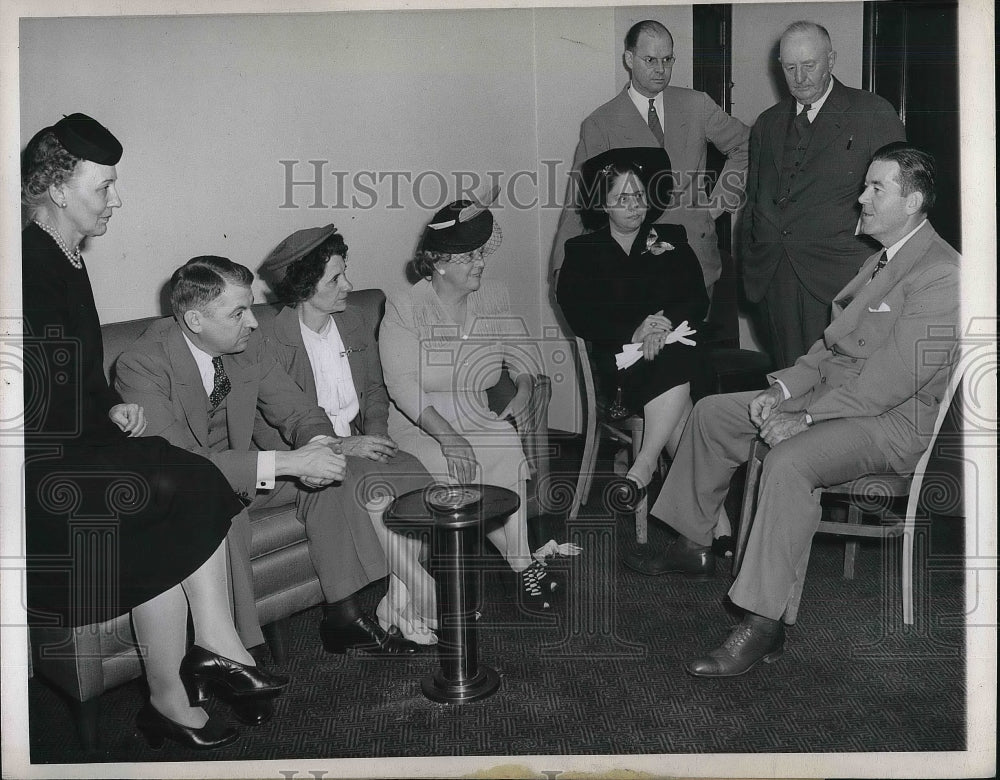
(365, 635)
(756, 639)
(680, 557)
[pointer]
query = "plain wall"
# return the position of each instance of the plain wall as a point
(208, 107)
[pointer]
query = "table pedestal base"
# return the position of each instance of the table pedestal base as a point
(437, 688)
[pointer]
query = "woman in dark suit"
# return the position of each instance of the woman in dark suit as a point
(630, 283)
(169, 510)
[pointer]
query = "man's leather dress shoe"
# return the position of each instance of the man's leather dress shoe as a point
(756, 639)
(365, 635)
(680, 557)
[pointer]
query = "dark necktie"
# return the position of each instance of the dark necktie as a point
(882, 260)
(221, 386)
(653, 120)
(802, 118)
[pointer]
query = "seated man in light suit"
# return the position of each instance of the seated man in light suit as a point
(202, 377)
(862, 400)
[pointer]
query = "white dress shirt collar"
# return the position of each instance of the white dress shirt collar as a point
(890, 251)
(205, 368)
(815, 107)
(641, 103)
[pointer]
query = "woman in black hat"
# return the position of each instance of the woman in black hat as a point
(169, 510)
(442, 347)
(631, 283)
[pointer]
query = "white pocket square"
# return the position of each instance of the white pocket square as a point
(881, 307)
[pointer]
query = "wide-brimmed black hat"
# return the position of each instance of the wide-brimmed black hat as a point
(463, 226)
(87, 138)
(650, 163)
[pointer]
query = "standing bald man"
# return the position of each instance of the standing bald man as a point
(649, 112)
(808, 155)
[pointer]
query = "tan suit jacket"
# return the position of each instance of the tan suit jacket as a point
(691, 120)
(888, 352)
(159, 373)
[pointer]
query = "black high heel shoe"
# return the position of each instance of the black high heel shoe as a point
(157, 727)
(202, 669)
(623, 495)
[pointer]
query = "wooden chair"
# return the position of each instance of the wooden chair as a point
(873, 493)
(628, 431)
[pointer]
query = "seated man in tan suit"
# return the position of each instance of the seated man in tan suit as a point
(864, 399)
(202, 377)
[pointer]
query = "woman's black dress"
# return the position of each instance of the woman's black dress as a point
(111, 521)
(605, 294)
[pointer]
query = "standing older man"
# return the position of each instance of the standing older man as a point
(863, 400)
(798, 238)
(648, 112)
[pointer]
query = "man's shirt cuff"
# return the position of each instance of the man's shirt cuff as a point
(265, 470)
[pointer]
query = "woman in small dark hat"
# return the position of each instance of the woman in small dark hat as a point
(84, 457)
(443, 345)
(328, 347)
(628, 282)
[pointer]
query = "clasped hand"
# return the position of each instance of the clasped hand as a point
(653, 323)
(319, 463)
(774, 426)
(373, 447)
(129, 417)
(655, 341)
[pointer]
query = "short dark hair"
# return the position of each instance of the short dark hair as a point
(202, 279)
(592, 197)
(648, 26)
(916, 170)
(301, 277)
(425, 260)
(44, 163)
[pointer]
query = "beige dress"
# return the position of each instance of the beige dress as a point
(428, 360)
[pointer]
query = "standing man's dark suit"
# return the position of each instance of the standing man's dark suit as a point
(690, 121)
(797, 237)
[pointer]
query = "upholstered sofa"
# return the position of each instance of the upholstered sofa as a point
(84, 662)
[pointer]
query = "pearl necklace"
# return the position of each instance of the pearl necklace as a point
(75, 257)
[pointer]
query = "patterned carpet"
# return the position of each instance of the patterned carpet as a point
(604, 673)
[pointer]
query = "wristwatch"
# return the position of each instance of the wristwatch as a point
(809, 419)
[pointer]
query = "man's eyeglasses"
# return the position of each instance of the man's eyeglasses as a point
(664, 62)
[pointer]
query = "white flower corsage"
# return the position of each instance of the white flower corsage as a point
(654, 245)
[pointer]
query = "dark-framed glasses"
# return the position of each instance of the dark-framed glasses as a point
(664, 62)
(631, 198)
